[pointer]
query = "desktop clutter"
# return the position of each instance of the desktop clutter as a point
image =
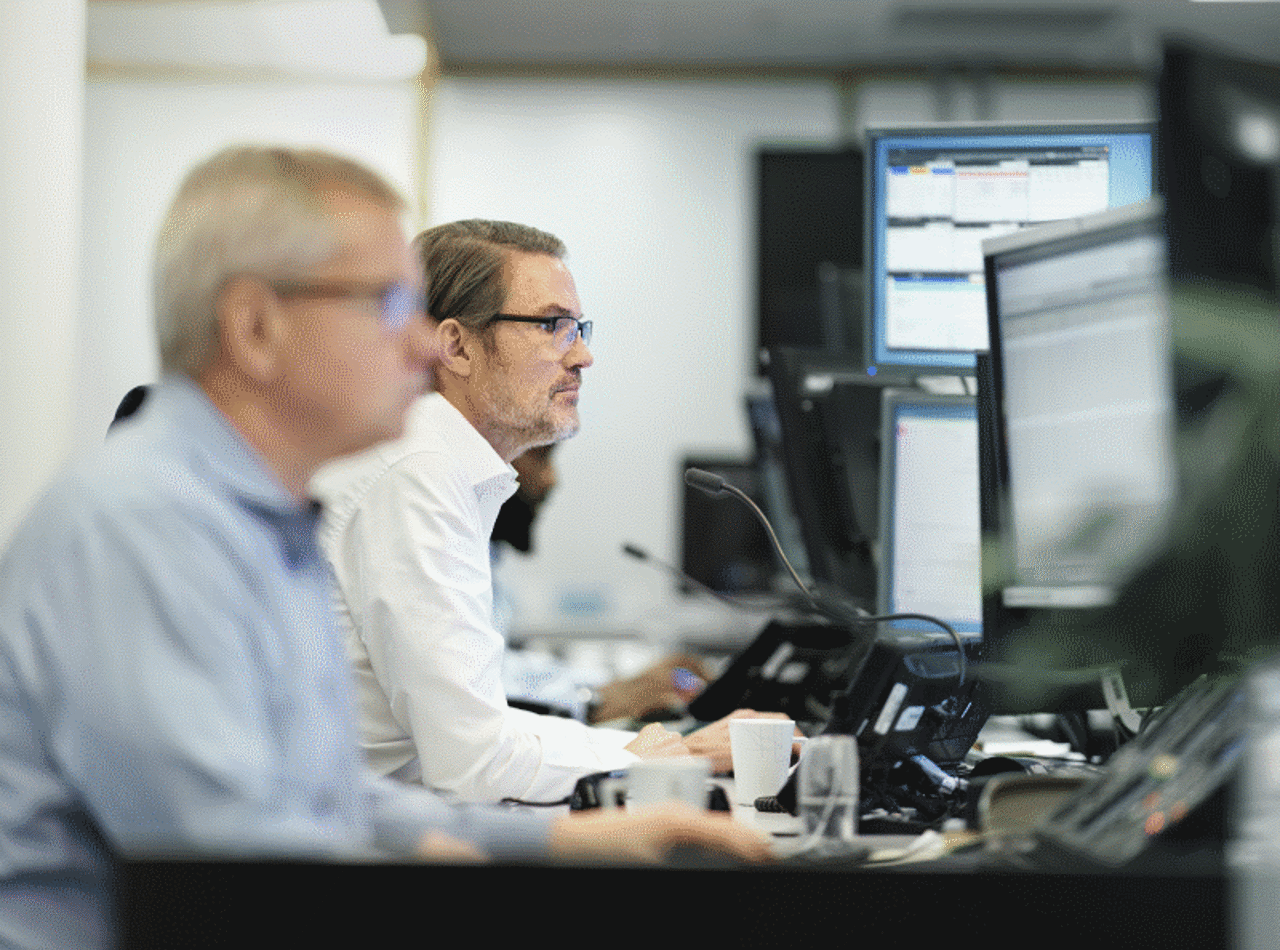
(848, 781)
(880, 738)
(900, 739)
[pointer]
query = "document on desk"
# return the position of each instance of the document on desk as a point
(1032, 748)
(789, 841)
(867, 849)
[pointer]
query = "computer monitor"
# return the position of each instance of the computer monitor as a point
(935, 192)
(724, 546)
(1082, 477)
(1219, 167)
(1209, 600)
(769, 462)
(809, 242)
(929, 533)
(829, 417)
(1218, 171)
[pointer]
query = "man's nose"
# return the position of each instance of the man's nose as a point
(580, 354)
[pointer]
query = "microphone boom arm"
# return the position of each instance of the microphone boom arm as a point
(715, 485)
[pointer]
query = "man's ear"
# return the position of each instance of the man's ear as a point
(251, 327)
(457, 344)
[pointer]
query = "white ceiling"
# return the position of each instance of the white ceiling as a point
(385, 38)
(330, 38)
(1073, 34)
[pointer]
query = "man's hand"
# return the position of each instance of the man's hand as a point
(667, 684)
(437, 846)
(648, 835)
(656, 742)
(713, 741)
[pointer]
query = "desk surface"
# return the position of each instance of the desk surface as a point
(215, 904)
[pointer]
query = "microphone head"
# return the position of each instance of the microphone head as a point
(704, 481)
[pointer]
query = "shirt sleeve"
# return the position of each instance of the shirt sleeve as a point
(404, 813)
(414, 571)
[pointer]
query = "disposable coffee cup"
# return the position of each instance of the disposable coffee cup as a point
(761, 750)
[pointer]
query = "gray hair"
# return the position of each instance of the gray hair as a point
(463, 263)
(255, 210)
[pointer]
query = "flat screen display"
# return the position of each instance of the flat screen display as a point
(1082, 361)
(935, 193)
(929, 525)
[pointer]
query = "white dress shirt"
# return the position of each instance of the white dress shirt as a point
(407, 527)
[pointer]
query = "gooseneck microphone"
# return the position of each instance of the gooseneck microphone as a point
(715, 485)
(640, 554)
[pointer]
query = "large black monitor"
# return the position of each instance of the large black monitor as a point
(828, 412)
(809, 240)
(1082, 479)
(929, 532)
(1219, 167)
(935, 192)
(1218, 171)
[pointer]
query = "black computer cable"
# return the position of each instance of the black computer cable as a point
(884, 618)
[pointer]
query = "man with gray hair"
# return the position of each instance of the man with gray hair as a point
(170, 680)
(407, 528)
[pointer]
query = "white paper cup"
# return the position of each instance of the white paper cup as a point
(761, 750)
(653, 781)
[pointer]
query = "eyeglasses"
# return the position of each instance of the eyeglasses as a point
(398, 303)
(564, 331)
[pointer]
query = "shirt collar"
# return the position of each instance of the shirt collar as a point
(436, 419)
(216, 445)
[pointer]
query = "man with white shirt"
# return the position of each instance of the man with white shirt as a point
(407, 528)
(171, 683)
(535, 680)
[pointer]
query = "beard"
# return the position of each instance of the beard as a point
(527, 418)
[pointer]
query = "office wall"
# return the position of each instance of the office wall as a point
(650, 183)
(141, 136)
(42, 88)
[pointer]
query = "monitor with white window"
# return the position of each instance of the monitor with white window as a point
(1084, 396)
(1081, 478)
(936, 192)
(929, 534)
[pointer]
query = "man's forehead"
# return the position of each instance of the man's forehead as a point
(540, 281)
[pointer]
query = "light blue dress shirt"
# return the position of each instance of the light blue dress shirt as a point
(171, 682)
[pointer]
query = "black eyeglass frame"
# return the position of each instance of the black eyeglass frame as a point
(398, 303)
(582, 327)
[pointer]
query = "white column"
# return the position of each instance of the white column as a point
(42, 56)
